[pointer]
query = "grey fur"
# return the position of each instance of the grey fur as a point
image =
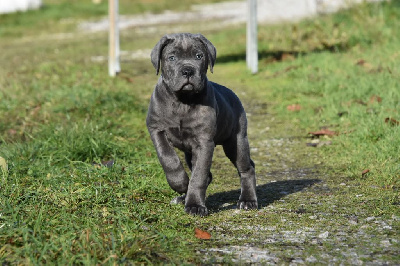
(193, 114)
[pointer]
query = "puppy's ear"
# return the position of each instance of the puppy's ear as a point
(157, 50)
(211, 51)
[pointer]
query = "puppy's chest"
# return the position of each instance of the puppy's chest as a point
(182, 136)
(187, 132)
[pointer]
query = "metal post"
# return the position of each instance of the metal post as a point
(113, 38)
(251, 45)
(117, 51)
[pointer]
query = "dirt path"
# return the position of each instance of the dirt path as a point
(308, 214)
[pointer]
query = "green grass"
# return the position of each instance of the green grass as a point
(61, 15)
(62, 118)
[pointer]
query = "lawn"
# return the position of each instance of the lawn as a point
(84, 185)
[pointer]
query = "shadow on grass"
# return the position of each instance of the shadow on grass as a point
(282, 55)
(266, 193)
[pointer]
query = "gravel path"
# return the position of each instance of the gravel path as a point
(308, 217)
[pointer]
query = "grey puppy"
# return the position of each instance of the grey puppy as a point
(193, 114)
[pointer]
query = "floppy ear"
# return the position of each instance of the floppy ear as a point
(211, 51)
(157, 50)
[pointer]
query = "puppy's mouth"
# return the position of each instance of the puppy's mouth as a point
(188, 87)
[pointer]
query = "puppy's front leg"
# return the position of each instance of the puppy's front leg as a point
(169, 160)
(196, 194)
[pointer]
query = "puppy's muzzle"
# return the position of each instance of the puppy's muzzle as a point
(187, 73)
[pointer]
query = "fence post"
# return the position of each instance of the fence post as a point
(251, 40)
(113, 39)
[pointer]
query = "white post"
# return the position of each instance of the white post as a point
(251, 45)
(113, 38)
(117, 51)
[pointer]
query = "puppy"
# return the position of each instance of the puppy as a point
(193, 114)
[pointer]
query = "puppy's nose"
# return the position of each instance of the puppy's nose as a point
(187, 72)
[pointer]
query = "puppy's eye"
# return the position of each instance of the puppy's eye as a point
(199, 56)
(171, 58)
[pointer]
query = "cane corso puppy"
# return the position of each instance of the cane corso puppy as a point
(193, 114)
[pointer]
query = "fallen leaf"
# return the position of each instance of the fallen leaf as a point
(366, 171)
(323, 132)
(200, 234)
(294, 107)
(392, 121)
(375, 98)
(287, 56)
(363, 63)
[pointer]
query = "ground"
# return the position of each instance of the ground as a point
(83, 183)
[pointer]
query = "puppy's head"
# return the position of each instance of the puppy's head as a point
(184, 59)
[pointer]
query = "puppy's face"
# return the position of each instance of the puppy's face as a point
(184, 66)
(184, 59)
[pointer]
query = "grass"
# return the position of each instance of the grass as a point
(59, 16)
(63, 120)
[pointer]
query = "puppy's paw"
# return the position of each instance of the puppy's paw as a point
(247, 205)
(178, 200)
(196, 210)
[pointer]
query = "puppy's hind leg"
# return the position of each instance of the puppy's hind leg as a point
(238, 151)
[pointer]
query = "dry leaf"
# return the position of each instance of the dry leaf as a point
(366, 171)
(375, 98)
(294, 107)
(392, 121)
(363, 63)
(287, 56)
(323, 132)
(200, 234)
